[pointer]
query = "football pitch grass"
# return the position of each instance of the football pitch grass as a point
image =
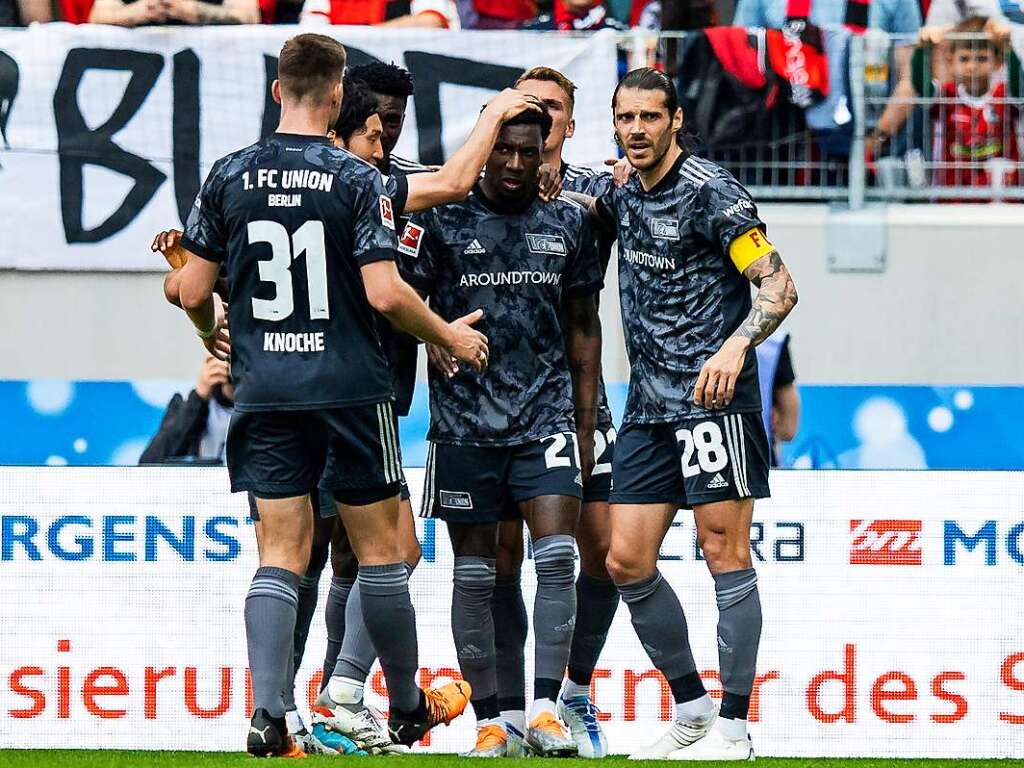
(115, 759)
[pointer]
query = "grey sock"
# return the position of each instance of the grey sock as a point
(269, 625)
(508, 612)
(660, 624)
(334, 618)
(357, 651)
(739, 629)
(554, 611)
(596, 603)
(391, 625)
(472, 627)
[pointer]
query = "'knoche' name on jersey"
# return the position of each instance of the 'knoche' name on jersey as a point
(680, 293)
(518, 267)
(292, 219)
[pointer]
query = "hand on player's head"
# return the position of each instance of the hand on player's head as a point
(511, 102)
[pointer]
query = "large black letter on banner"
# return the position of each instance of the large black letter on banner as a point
(272, 110)
(429, 70)
(77, 146)
(185, 131)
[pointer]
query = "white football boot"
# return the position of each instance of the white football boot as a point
(716, 746)
(681, 734)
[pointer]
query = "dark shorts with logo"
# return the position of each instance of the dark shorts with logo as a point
(470, 484)
(351, 452)
(690, 462)
(599, 486)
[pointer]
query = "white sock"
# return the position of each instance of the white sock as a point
(734, 730)
(571, 690)
(541, 705)
(294, 721)
(696, 710)
(491, 721)
(345, 690)
(516, 718)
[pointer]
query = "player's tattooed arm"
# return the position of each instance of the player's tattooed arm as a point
(582, 325)
(776, 297)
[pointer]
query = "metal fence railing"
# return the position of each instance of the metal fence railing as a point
(916, 122)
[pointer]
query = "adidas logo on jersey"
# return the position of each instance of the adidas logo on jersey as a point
(717, 481)
(474, 248)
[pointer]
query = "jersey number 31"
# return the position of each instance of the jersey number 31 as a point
(308, 239)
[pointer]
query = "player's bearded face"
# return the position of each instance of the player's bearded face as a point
(644, 127)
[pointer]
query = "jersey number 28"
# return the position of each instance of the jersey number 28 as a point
(308, 239)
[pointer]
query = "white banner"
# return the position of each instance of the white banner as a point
(106, 133)
(893, 615)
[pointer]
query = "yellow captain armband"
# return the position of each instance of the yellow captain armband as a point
(749, 247)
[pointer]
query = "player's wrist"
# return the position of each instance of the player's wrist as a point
(207, 335)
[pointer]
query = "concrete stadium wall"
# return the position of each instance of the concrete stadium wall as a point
(946, 309)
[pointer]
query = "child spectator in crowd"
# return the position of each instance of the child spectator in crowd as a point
(975, 128)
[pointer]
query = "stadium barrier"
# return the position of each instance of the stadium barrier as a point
(107, 132)
(892, 601)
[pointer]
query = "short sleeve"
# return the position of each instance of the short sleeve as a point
(727, 213)
(397, 187)
(205, 232)
(417, 253)
(584, 275)
(374, 214)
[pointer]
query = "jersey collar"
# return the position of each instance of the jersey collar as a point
(669, 179)
(495, 207)
(301, 138)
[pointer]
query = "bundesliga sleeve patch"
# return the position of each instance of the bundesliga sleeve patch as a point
(387, 212)
(409, 244)
(749, 247)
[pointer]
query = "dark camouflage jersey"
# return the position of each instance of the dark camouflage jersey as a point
(579, 178)
(518, 267)
(400, 347)
(293, 220)
(681, 294)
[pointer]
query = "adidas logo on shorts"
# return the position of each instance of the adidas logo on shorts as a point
(474, 248)
(717, 481)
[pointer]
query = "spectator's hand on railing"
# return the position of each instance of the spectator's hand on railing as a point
(933, 35)
(997, 31)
